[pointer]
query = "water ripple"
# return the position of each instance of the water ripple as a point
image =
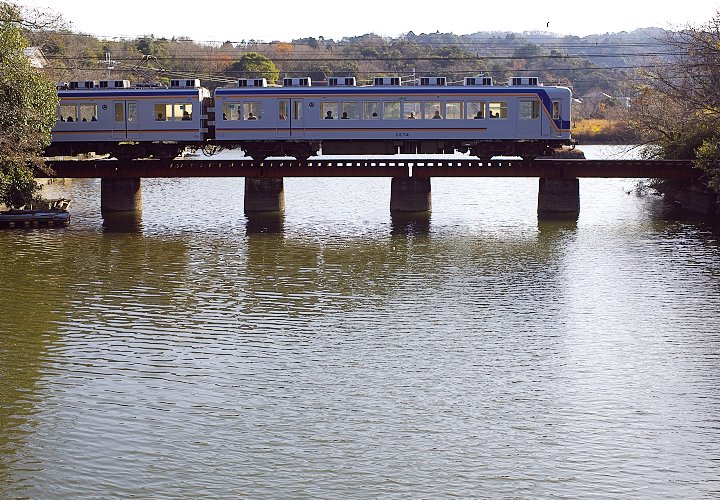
(347, 354)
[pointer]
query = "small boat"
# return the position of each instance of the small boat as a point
(55, 214)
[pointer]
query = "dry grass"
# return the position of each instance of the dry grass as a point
(600, 131)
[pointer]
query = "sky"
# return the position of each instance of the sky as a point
(283, 20)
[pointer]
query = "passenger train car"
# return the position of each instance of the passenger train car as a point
(113, 117)
(298, 119)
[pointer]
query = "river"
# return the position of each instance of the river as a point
(338, 352)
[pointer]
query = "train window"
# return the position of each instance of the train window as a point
(371, 110)
(163, 112)
(454, 110)
(329, 110)
(251, 110)
(529, 110)
(119, 111)
(132, 112)
(350, 110)
(88, 112)
(68, 113)
(182, 112)
(433, 109)
(231, 111)
(283, 109)
(411, 110)
(498, 109)
(556, 110)
(476, 109)
(297, 110)
(391, 110)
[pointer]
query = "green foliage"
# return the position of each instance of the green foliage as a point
(151, 46)
(254, 65)
(678, 105)
(18, 187)
(27, 113)
(708, 159)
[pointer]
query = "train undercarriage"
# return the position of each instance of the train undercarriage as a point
(302, 150)
(482, 149)
(121, 150)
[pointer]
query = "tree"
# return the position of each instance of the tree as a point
(678, 105)
(254, 65)
(27, 113)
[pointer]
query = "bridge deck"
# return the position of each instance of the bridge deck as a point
(374, 167)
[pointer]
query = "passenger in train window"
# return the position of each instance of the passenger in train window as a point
(411, 116)
(160, 118)
(186, 116)
(329, 116)
(251, 116)
(344, 116)
(70, 119)
(93, 119)
(282, 116)
(437, 116)
(478, 116)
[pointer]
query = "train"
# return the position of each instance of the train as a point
(301, 118)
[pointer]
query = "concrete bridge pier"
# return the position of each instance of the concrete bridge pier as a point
(410, 194)
(558, 198)
(120, 195)
(264, 194)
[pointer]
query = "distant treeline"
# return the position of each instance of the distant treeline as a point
(593, 65)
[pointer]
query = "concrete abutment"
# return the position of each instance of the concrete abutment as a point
(558, 198)
(410, 194)
(264, 194)
(121, 194)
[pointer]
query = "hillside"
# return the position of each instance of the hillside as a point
(599, 68)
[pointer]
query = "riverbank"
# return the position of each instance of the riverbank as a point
(597, 131)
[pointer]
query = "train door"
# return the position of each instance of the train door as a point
(291, 122)
(126, 120)
(284, 117)
(550, 129)
(529, 123)
(297, 118)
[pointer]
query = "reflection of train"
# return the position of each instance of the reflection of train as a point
(297, 119)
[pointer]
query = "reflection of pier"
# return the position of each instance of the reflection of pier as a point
(264, 190)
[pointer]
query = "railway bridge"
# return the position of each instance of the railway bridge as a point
(558, 192)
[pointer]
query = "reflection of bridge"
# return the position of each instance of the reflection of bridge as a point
(559, 188)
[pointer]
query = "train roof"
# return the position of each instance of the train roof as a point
(132, 92)
(394, 90)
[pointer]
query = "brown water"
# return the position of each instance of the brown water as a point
(340, 353)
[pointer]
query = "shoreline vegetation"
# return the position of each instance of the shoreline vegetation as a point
(604, 131)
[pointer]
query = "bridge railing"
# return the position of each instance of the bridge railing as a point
(373, 167)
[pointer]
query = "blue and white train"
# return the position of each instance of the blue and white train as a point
(298, 119)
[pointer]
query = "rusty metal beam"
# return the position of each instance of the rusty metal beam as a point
(566, 169)
(375, 167)
(223, 168)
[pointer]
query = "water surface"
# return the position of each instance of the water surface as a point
(338, 352)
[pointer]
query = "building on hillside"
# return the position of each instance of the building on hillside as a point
(37, 58)
(595, 104)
